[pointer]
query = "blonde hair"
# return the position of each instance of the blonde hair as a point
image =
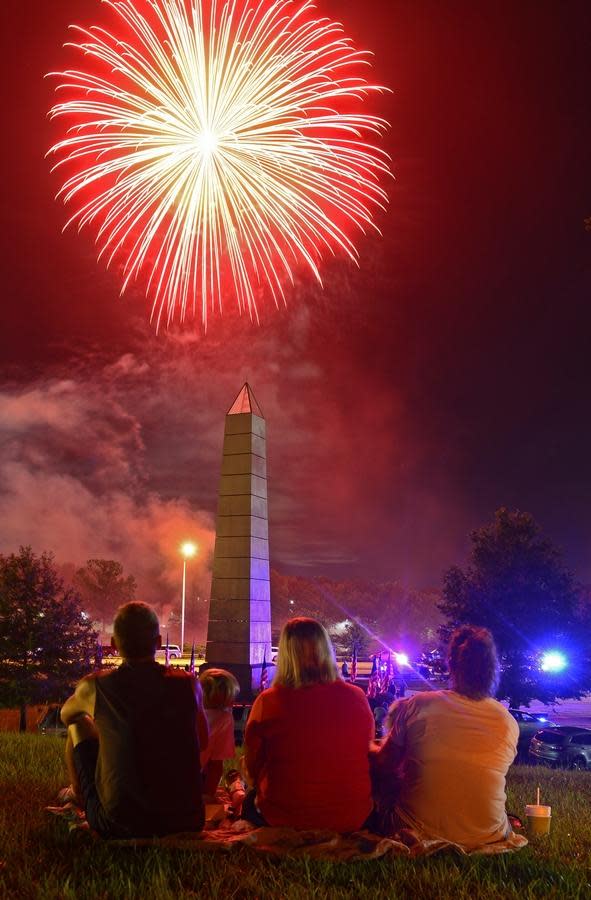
(306, 655)
(220, 688)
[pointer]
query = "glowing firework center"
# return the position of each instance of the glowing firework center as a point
(214, 148)
(239, 628)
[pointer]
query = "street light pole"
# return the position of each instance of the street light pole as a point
(188, 549)
(183, 605)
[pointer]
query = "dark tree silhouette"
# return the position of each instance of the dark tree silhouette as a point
(355, 636)
(517, 586)
(104, 588)
(46, 641)
(388, 612)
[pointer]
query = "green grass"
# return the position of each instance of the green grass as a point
(39, 859)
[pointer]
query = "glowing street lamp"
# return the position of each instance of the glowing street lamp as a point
(188, 550)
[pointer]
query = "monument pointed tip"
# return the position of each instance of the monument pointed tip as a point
(245, 402)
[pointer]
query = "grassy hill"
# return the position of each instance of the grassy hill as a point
(40, 859)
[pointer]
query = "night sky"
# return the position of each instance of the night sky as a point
(447, 376)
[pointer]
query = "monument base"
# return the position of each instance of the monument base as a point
(248, 675)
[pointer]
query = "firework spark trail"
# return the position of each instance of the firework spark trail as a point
(216, 149)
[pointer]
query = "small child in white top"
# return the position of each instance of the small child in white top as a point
(220, 689)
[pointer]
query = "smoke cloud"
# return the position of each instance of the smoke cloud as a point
(118, 456)
(74, 481)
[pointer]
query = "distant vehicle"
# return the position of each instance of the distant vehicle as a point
(432, 667)
(51, 724)
(174, 651)
(567, 746)
(529, 725)
(541, 717)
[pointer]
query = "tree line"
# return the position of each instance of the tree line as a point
(515, 583)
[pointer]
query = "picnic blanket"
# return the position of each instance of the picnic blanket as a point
(223, 834)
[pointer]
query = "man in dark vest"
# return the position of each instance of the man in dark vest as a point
(134, 737)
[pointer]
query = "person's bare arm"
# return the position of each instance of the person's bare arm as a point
(389, 754)
(81, 703)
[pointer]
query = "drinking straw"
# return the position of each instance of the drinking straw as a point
(538, 801)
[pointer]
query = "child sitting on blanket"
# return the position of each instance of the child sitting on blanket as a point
(220, 689)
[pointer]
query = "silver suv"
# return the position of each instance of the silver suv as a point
(564, 745)
(174, 651)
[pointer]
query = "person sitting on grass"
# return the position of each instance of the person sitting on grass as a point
(134, 738)
(441, 770)
(220, 689)
(307, 740)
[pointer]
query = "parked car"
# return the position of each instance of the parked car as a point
(174, 651)
(50, 722)
(568, 746)
(529, 725)
(541, 717)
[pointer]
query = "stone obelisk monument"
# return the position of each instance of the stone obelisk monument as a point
(239, 629)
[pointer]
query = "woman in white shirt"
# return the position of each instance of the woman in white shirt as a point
(445, 759)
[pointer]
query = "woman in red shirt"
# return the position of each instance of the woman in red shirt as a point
(307, 739)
